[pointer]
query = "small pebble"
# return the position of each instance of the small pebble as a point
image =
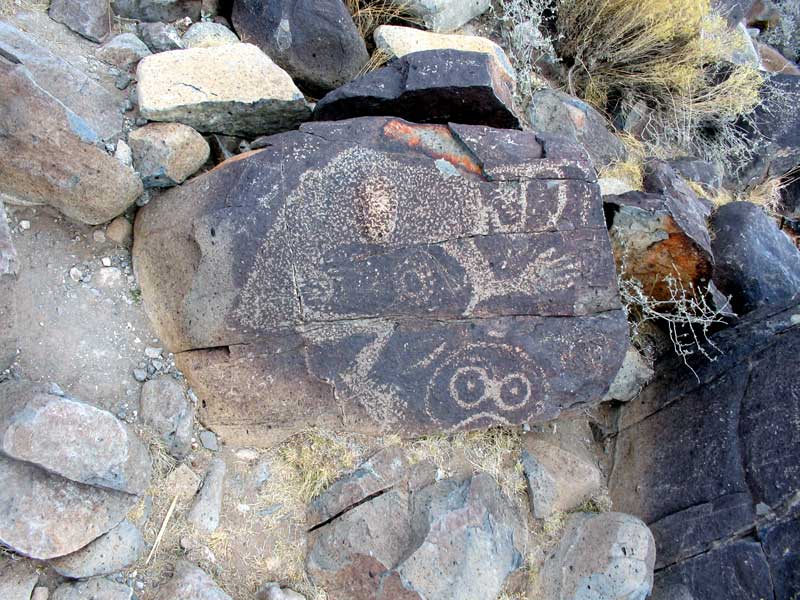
(140, 375)
(106, 261)
(25, 225)
(209, 440)
(75, 274)
(99, 236)
(151, 352)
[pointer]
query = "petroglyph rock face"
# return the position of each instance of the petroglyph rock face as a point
(377, 275)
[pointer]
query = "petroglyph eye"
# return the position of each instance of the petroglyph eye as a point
(376, 203)
(468, 386)
(515, 391)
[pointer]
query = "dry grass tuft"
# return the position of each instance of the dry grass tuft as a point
(378, 59)
(368, 15)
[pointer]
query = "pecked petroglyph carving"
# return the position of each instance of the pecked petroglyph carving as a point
(377, 291)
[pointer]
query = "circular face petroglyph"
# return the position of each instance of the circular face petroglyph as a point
(496, 381)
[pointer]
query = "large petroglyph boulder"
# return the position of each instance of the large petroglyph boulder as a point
(378, 275)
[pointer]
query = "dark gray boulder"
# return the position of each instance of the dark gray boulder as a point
(774, 128)
(157, 10)
(90, 18)
(712, 464)
(557, 113)
(708, 175)
(336, 265)
(315, 41)
(756, 263)
(434, 86)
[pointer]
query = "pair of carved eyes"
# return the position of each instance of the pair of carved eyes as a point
(471, 386)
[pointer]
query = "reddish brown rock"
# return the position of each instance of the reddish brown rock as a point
(333, 279)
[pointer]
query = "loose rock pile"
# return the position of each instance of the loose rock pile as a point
(385, 352)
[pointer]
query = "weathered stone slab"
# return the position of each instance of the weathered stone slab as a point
(444, 15)
(91, 102)
(50, 156)
(375, 274)
(44, 516)
(434, 86)
(89, 18)
(706, 461)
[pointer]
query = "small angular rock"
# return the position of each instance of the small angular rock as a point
(606, 556)
(160, 37)
(207, 35)
(558, 481)
(9, 263)
(315, 41)
(98, 588)
(72, 439)
(234, 89)
(123, 51)
(204, 513)
(89, 18)
(444, 15)
(190, 583)
(166, 154)
(558, 113)
(632, 377)
(433, 86)
(111, 552)
(165, 408)
(17, 579)
(399, 41)
(756, 264)
(120, 231)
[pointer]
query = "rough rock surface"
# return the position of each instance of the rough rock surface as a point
(9, 263)
(449, 540)
(756, 263)
(315, 41)
(777, 151)
(635, 372)
(399, 41)
(166, 154)
(711, 464)
(160, 37)
(433, 86)
(98, 588)
(157, 10)
(708, 175)
(661, 233)
(234, 89)
(605, 556)
(558, 113)
(17, 579)
(70, 438)
(208, 35)
(123, 51)
(90, 18)
(97, 108)
(166, 409)
(384, 470)
(558, 480)
(111, 552)
(44, 516)
(444, 15)
(50, 158)
(190, 583)
(204, 513)
(295, 310)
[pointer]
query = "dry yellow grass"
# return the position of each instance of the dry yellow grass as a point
(368, 15)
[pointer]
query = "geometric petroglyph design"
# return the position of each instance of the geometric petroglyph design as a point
(486, 380)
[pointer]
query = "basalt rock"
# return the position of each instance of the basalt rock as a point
(89, 18)
(315, 41)
(661, 234)
(444, 15)
(712, 463)
(757, 264)
(434, 86)
(331, 279)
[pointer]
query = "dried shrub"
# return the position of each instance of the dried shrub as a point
(368, 15)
